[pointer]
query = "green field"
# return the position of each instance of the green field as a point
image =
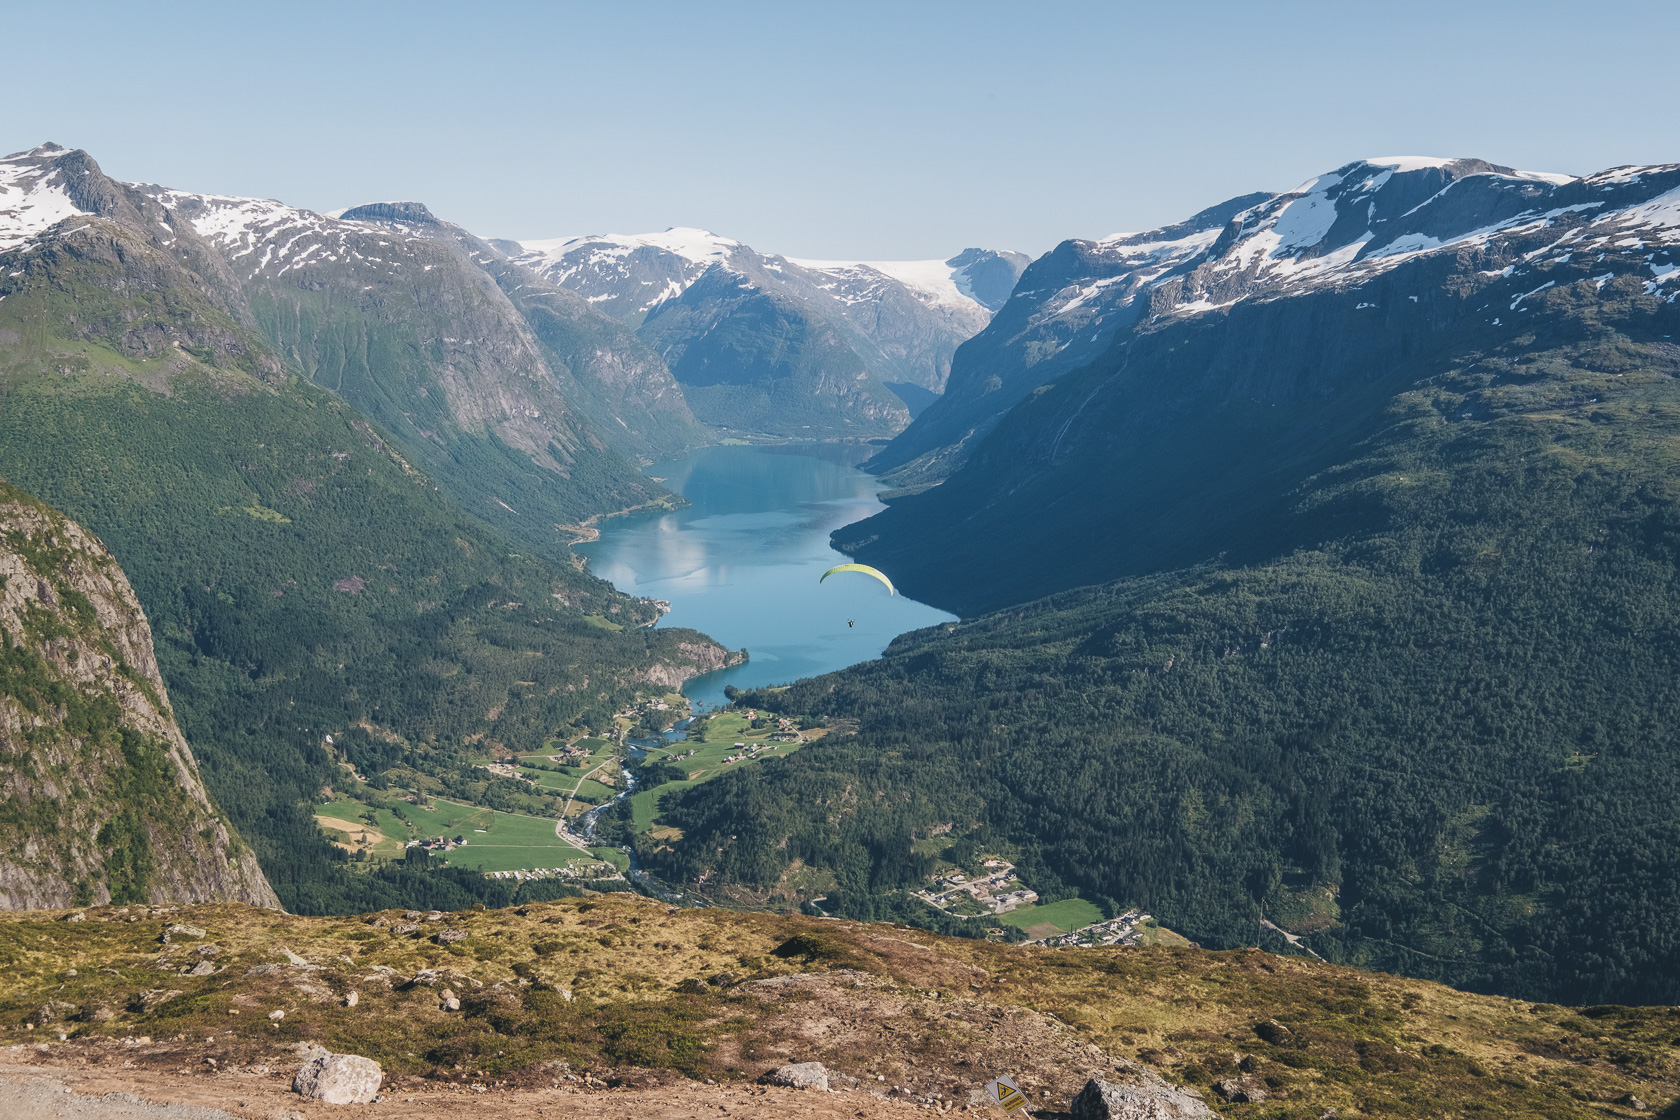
(395, 833)
(723, 731)
(1068, 915)
(509, 842)
(562, 781)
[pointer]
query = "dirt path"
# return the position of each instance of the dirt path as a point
(69, 1089)
(566, 812)
(1294, 939)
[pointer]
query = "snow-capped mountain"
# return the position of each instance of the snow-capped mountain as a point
(900, 320)
(1222, 368)
(627, 275)
(38, 189)
(390, 309)
(1340, 231)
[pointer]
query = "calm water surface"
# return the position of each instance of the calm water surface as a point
(741, 563)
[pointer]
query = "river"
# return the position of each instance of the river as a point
(741, 562)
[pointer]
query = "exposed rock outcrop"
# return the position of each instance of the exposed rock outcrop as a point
(100, 798)
(799, 1075)
(1112, 1100)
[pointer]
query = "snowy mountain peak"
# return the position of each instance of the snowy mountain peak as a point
(697, 246)
(36, 193)
(975, 279)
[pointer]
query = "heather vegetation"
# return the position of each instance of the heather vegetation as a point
(621, 988)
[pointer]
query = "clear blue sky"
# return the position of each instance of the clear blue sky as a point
(827, 130)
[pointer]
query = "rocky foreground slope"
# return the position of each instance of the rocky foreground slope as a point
(618, 1005)
(100, 798)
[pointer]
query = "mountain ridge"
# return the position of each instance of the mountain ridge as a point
(1342, 228)
(847, 330)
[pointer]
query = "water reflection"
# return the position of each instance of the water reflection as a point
(741, 563)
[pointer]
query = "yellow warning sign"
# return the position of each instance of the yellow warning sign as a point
(1005, 1092)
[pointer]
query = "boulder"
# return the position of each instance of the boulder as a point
(180, 930)
(449, 936)
(1274, 1032)
(799, 1075)
(339, 1079)
(53, 1009)
(1242, 1090)
(152, 997)
(202, 968)
(1111, 1100)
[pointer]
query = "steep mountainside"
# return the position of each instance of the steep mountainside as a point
(411, 329)
(1266, 353)
(100, 799)
(790, 347)
(601, 368)
(303, 575)
(1069, 305)
(1361, 607)
(1335, 229)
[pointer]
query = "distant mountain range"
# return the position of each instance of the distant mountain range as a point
(529, 359)
(1342, 229)
(1282, 299)
(786, 346)
(1318, 563)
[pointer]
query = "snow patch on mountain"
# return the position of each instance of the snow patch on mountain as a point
(697, 246)
(936, 283)
(33, 195)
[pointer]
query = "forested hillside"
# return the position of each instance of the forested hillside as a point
(302, 576)
(102, 800)
(1377, 635)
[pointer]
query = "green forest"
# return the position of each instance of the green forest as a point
(1432, 732)
(301, 578)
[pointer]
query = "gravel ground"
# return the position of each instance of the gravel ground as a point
(68, 1090)
(34, 1096)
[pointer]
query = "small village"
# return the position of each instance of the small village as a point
(997, 892)
(596, 874)
(1127, 929)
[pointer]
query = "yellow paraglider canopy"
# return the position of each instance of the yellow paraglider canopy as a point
(866, 570)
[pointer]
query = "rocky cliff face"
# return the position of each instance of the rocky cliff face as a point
(100, 798)
(599, 365)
